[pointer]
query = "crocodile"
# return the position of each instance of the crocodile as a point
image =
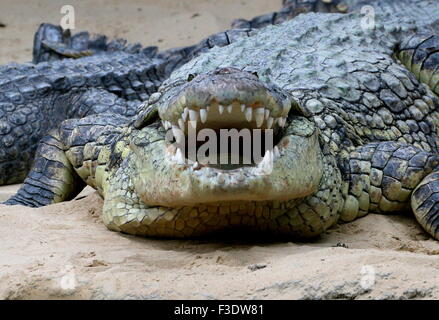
(77, 75)
(352, 109)
(67, 81)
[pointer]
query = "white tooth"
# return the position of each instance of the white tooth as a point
(164, 123)
(267, 114)
(208, 109)
(193, 115)
(281, 121)
(243, 107)
(230, 109)
(179, 156)
(286, 109)
(270, 122)
(220, 109)
(276, 152)
(168, 125)
(178, 135)
(181, 124)
(203, 115)
(248, 114)
(195, 165)
(172, 149)
(184, 114)
(284, 121)
(266, 161)
(259, 116)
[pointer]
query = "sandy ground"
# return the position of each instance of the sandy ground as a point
(65, 251)
(164, 23)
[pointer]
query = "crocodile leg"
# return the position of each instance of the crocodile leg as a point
(52, 178)
(425, 203)
(382, 177)
(22, 128)
(420, 54)
(58, 175)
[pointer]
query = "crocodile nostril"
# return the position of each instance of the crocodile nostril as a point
(191, 77)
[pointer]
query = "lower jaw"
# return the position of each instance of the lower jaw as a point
(204, 220)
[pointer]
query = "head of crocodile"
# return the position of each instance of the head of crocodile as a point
(224, 100)
(203, 195)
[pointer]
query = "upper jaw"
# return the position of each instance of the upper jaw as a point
(226, 97)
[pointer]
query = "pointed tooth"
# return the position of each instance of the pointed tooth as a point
(179, 156)
(266, 160)
(281, 121)
(284, 121)
(178, 135)
(286, 109)
(208, 109)
(276, 152)
(184, 114)
(220, 109)
(164, 124)
(193, 115)
(168, 125)
(259, 116)
(172, 149)
(230, 108)
(181, 124)
(248, 114)
(267, 114)
(243, 107)
(270, 121)
(203, 115)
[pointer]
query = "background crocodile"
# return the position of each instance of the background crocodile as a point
(356, 132)
(118, 76)
(37, 97)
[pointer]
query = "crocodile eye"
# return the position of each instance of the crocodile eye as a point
(255, 74)
(190, 77)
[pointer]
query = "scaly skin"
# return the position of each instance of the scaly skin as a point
(37, 90)
(35, 98)
(356, 132)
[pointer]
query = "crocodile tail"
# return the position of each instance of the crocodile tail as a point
(420, 54)
(425, 203)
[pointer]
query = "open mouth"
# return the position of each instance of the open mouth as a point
(228, 135)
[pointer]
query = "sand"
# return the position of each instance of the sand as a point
(64, 251)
